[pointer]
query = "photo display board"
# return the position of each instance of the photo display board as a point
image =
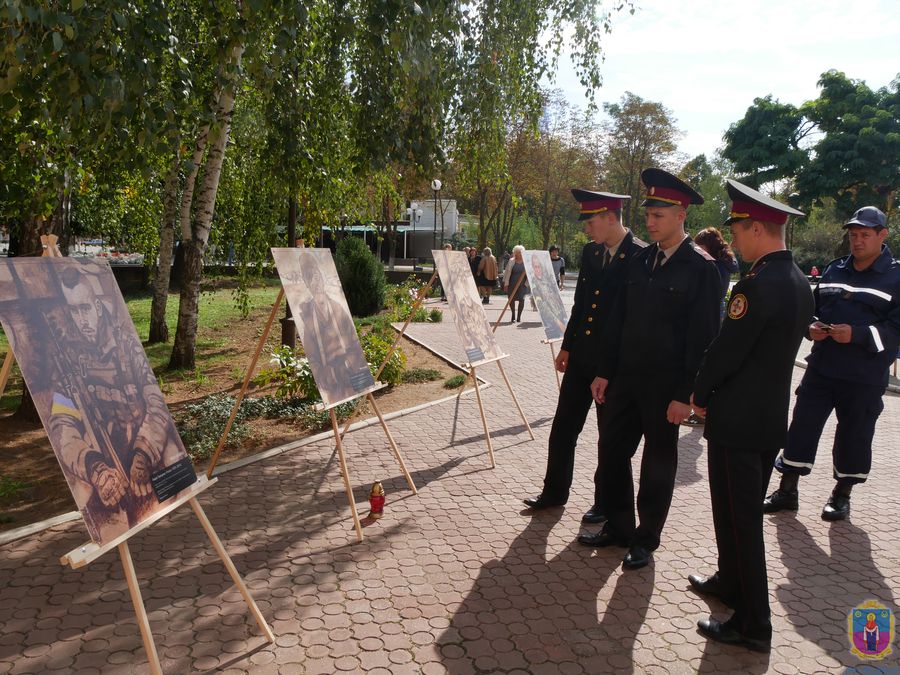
(465, 305)
(94, 390)
(546, 293)
(324, 324)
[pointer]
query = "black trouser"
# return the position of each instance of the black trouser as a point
(571, 412)
(737, 484)
(857, 407)
(636, 406)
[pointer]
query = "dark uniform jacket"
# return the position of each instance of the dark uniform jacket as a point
(595, 293)
(664, 319)
(745, 378)
(870, 302)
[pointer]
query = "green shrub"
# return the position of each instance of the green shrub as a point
(417, 375)
(10, 486)
(402, 297)
(435, 316)
(291, 373)
(454, 382)
(362, 276)
(376, 348)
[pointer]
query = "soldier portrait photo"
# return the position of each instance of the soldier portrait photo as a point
(545, 291)
(94, 390)
(465, 305)
(324, 323)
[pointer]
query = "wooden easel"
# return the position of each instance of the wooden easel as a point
(83, 555)
(553, 359)
(338, 435)
(474, 376)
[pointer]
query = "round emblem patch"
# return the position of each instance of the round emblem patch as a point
(738, 306)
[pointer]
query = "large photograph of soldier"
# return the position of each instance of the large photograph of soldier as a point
(465, 306)
(94, 390)
(324, 323)
(545, 291)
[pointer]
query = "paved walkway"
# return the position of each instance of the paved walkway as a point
(458, 579)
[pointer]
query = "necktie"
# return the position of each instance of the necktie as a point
(660, 257)
(607, 259)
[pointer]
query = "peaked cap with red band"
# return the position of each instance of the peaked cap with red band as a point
(597, 202)
(664, 189)
(747, 203)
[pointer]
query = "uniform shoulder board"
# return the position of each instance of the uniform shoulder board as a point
(702, 252)
(640, 243)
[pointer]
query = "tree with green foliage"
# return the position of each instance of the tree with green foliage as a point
(844, 145)
(639, 134)
(767, 143)
(362, 276)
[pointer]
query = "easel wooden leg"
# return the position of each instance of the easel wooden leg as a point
(555, 371)
(232, 570)
(487, 434)
(6, 369)
(247, 377)
(345, 474)
(515, 400)
(394, 447)
(141, 613)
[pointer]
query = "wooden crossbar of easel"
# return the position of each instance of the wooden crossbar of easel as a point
(338, 435)
(83, 555)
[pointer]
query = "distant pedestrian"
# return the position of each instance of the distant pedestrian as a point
(515, 271)
(559, 266)
(486, 275)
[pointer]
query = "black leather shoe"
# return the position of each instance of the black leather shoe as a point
(594, 515)
(636, 558)
(542, 502)
(601, 539)
(722, 632)
(781, 500)
(837, 507)
(710, 585)
(706, 585)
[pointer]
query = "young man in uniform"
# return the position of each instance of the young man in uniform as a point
(855, 340)
(603, 262)
(744, 388)
(663, 321)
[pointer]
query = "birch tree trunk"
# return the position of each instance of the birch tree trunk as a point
(159, 329)
(184, 347)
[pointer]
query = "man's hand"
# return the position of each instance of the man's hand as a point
(109, 483)
(678, 412)
(841, 332)
(697, 409)
(562, 360)
(818, 331)
(140, 476)
(598, 389)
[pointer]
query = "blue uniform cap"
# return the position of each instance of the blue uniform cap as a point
(867, 216)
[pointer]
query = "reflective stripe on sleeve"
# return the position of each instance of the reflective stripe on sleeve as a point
(857, 289)
(879, 345)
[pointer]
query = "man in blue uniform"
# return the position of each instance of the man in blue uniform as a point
(855, 337)
(661, 324)
(600, 279)
(744, 387)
